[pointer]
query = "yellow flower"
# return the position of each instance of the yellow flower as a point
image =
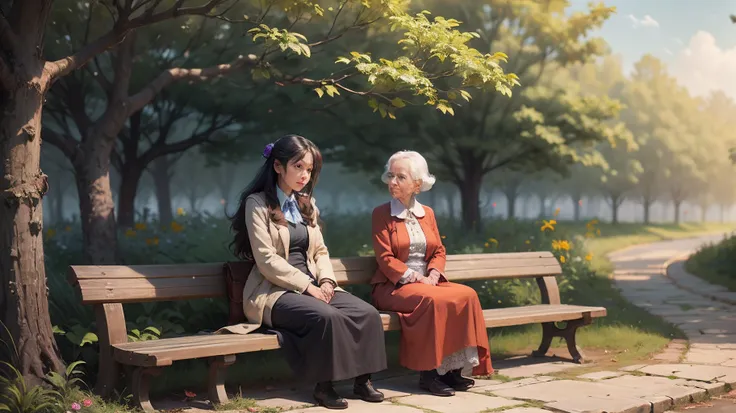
(589, 257)
(176, 227)
(50, 233)
(598, 232)
(130, 233)
(562, 259)
(443, 237)
(68, 228)
(493, 241)
(561, 245)
(180, 212)
(140, 226)
(487, 245)
(152, 241)
(557, 212)
(527, 242)
(548, 225)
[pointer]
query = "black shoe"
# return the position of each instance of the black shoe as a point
(430, 381)
(326, 396)
(454, 379)
(364, 389)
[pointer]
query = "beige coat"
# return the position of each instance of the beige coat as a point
(272, 275)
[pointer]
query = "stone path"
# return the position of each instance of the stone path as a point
(683, 374)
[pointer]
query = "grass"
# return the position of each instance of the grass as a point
(715, 263)
(628, 333)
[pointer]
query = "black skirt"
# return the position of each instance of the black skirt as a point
(329, 342)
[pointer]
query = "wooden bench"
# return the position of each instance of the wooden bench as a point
(109, 287)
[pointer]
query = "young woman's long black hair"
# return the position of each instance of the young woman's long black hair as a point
(287, 149)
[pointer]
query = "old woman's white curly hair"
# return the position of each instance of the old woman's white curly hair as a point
(417, 167)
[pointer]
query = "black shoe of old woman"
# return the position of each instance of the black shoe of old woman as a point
(455, 379)
(430, 381)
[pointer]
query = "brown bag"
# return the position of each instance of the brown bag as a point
(236, 274)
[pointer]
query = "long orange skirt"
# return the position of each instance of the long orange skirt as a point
(436, 321)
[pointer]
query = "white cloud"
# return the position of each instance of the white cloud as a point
(647, 21)
(668, 51)
(702, 66)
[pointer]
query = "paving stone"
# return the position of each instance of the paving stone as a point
(462, 402)
(359, 406)
(600, 375)
(634, 367)
(511, 384)
(690, 371)
(729, 363)
(601, 405)
(709, 357)
(526, 410)
(649, 388)
(537, 369)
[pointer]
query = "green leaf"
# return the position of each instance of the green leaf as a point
(451, 95)
(57, 330)
(332, 90)
(465, 94)
(153, 330)
(343, 60)
(382, 110)
(398, 102)
(89, 338)
(319, 91)
(305, 50)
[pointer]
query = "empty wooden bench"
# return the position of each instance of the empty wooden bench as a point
(109, 287)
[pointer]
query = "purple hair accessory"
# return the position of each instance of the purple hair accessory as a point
(267, 150)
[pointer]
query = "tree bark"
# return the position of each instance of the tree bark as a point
(647, 210)
(130, 178)
(161, 172)
(616, 201)
(677, 211)
(470, 195)
(576, 207)
(23, 86)
(511, 204)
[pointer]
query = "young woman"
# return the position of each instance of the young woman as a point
(442, 326)
(326, 333)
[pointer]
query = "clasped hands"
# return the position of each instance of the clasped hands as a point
(433, 278)
(324, 292)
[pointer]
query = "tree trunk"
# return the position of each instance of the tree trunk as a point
(677, 211)
(542, 209)
(511, 205)
(130, 177)
(96, 205)
(703, 212)
(647, 210)
(576, 207)
(470, 196)
(616, 201)
(23, 296)
(162, 182)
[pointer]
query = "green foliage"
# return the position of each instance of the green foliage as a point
(715, 263)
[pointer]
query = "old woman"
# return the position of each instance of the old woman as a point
(442, 326)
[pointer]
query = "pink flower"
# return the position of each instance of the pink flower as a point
(76, 406)
(87, 403)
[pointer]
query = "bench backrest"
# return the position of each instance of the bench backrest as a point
(139, 283)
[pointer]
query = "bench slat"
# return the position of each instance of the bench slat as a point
(163, 352)
(138, 283)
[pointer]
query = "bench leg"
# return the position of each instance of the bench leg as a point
(550, 331)
(107, 376)
(216, 383)
(141, 386)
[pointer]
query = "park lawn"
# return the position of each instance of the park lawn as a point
(628, 334)
(715, 263)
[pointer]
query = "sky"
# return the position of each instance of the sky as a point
(696, 38)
